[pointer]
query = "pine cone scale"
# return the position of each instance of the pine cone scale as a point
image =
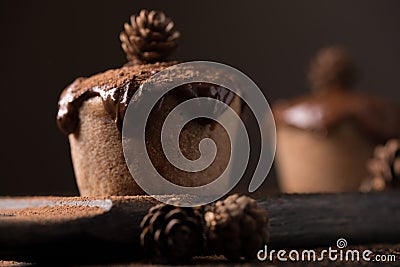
(169, 26)
(133, 25)
(129, 29)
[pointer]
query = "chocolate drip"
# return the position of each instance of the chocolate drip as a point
(322, 112)
(116, 88)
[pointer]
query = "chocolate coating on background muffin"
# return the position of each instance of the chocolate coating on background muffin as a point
(322, 113)
(332, 101)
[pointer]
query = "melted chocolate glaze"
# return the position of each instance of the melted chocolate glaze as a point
(322, 112)
(116, 88)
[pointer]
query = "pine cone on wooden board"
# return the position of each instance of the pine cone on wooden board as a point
(149, 38)
(172, 234)
(384, 167)
(236, 228)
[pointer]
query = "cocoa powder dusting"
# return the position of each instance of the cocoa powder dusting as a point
(116, 88)
(52, 212)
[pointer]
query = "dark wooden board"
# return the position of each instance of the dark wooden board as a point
(112, 234)
(319, 220)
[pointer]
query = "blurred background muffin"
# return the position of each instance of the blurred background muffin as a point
(325, 138)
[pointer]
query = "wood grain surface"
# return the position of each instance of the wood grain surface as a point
(90, 230)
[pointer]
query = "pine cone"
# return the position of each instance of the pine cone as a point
(332, 67)
(172, 234)
(384, 167)
(149, 38)
(236, 228)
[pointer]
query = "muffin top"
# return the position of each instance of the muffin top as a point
(115, 87)
(332, 101)
(148, 40)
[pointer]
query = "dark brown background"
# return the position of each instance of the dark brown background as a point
(46, 44)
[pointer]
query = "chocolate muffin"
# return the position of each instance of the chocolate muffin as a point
(91, 112)
(325, 138)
